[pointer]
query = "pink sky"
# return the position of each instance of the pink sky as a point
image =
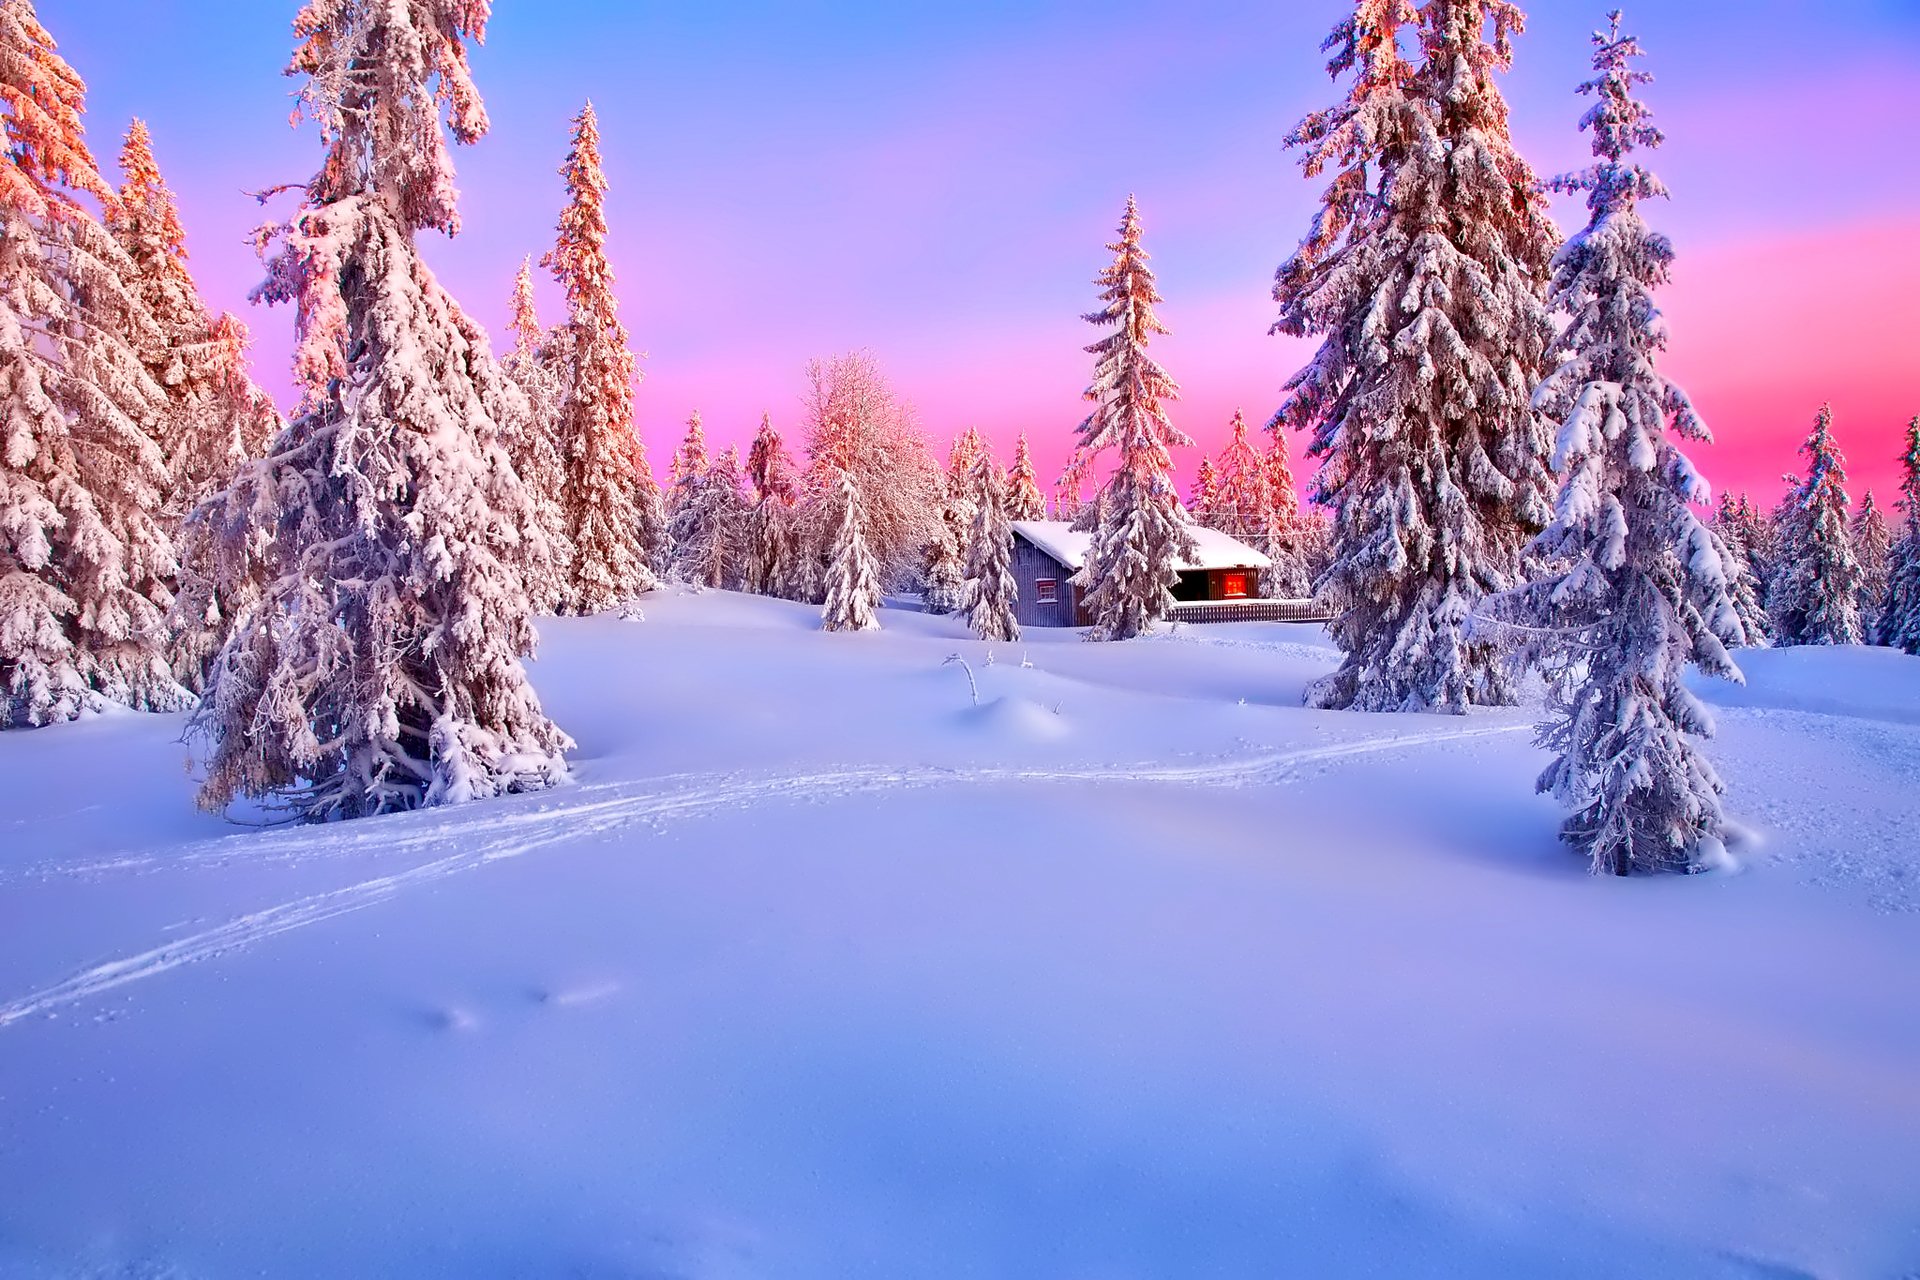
(937, 184)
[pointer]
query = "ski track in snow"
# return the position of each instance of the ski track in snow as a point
(596, 811)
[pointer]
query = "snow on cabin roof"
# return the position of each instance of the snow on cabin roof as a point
(1216, 550)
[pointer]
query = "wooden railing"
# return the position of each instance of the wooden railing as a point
(1251, 611)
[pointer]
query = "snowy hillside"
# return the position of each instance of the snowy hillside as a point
(819, 969)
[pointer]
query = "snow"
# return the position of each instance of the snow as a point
(818, 969)
(1217, 550)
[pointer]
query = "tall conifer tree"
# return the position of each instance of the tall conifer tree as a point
(614, 519)
(991, 589)
(86, 557)
(1900, 615)
(1815, 594)
(1872, 547)
(1424, 274)
(1140, 532)
(770, 553)
(1637, 591)
(381, 669)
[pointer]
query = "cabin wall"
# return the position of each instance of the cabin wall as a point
(1030, 566)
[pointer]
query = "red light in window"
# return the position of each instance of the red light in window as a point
(1046, 591)
(1233, 586)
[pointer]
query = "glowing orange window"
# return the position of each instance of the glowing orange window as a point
(1233, 586)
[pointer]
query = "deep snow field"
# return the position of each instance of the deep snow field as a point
(818, 970)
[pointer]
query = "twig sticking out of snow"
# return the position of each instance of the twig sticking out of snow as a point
(972, 684)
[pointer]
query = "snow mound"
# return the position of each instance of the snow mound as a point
(1015, 718)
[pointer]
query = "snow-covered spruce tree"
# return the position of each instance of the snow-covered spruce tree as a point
(1873, 548)
(221, 551)
(1204, 493)
(1633, 591)
(943, 575)
(686, 476)
(1900, 614)
(853, 572)
(1291, 539)
(1243, 501)
(1424, 274)
(381, 669)
(615, 523)
(708, 527)
(1070, 490)
(1140, 532)
(531, 438)
(1025, 501)
(1815, 594)
(768, 554)
(86, 558)
(944, 572)
(180, 355)
(991, 589)
(1731, 529)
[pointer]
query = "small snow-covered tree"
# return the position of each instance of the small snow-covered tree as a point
(1636, 592)
(1873, 548)
(531, 437)
(991, 590)
(769, 551)
(1205, 492)
(1815, 593)
(686, 476)
(86, 554)
(708, 529)
(943, 575)
(1243, 502)
(1140, 532)
(853, 572)
(1070, 490)
(1900, 615)
(1424, 274)
(1292, 540)
(615, 524)
(1025, 501)
(1732, 529)
(381, 667)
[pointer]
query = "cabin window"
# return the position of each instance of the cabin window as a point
(1046, 591)
(1233, 586)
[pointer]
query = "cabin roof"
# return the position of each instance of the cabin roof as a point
(1216, 550)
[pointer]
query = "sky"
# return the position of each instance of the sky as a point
(938, 182)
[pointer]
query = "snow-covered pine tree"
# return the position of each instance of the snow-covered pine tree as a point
(1731, 531)
(531, 438)
(1291, 539)
(1900, 615)
(769, 551)
(1140, 532)
(991, 589)
(615, 523)
(1424, 273)
(1815, 593)
(1205, 492)
(1635, 591)
(86, 557)
(853, 573)
(180, 357)
(381, 669)
(1070, 490)
(1872, 547)
(708, 529)
(686, 477)
(1025, 501)
(222, 565)
(1243, 503)
(943, 575)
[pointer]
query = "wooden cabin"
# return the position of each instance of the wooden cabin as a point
(1220, 584)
